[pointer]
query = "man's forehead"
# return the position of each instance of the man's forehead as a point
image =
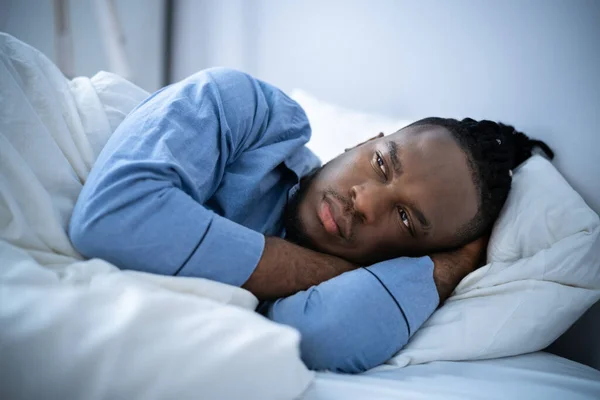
(422, 133)
(424, 149)
(436, 176)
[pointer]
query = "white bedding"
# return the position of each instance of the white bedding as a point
(75, 329)
(527, 377)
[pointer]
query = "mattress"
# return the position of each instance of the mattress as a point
(532, 376)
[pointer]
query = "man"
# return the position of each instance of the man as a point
(209, 177)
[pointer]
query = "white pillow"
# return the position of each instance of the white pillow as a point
(543, 261)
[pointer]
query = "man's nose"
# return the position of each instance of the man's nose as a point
(368, 200)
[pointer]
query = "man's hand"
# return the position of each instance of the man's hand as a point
(286, 268)
(451, 267)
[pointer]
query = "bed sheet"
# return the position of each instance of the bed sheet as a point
(532, 376)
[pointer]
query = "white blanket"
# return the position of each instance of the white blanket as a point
(74, 329)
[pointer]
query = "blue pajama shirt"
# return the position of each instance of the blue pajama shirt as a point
(193, 180)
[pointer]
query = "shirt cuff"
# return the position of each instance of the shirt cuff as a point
(409, 281)
(228, 253)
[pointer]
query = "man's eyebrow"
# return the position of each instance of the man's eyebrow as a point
(393, 151)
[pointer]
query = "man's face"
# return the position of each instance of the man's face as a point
(406, 194)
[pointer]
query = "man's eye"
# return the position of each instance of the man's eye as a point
(381, 164)
(404, 217)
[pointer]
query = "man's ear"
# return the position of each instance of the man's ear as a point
(379, 135)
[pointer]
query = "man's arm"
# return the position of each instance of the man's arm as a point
(286, 268)
(451, 267)
(360, 319)
(143, 205)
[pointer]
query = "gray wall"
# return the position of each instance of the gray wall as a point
(32, 21)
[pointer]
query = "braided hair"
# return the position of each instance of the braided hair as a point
(493, 150)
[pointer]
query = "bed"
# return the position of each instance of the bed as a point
(75, 328)
(531, 376)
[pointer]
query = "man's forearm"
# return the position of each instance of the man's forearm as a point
(286, 268)
(359, 319)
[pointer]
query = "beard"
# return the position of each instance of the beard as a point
(295, 231)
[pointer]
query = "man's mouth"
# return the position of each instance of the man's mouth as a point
(327, 220)
(332, 218)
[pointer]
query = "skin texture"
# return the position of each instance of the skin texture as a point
(375, 201)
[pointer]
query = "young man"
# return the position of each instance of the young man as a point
(209, 177)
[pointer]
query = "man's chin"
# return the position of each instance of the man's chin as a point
(300, 240)
(296, 233)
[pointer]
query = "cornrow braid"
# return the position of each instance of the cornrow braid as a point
(493, 150)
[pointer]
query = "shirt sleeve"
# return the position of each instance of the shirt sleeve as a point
(360, 319)
(143, 205)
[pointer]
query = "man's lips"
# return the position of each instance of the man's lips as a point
(326, 217)
(332, 218)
